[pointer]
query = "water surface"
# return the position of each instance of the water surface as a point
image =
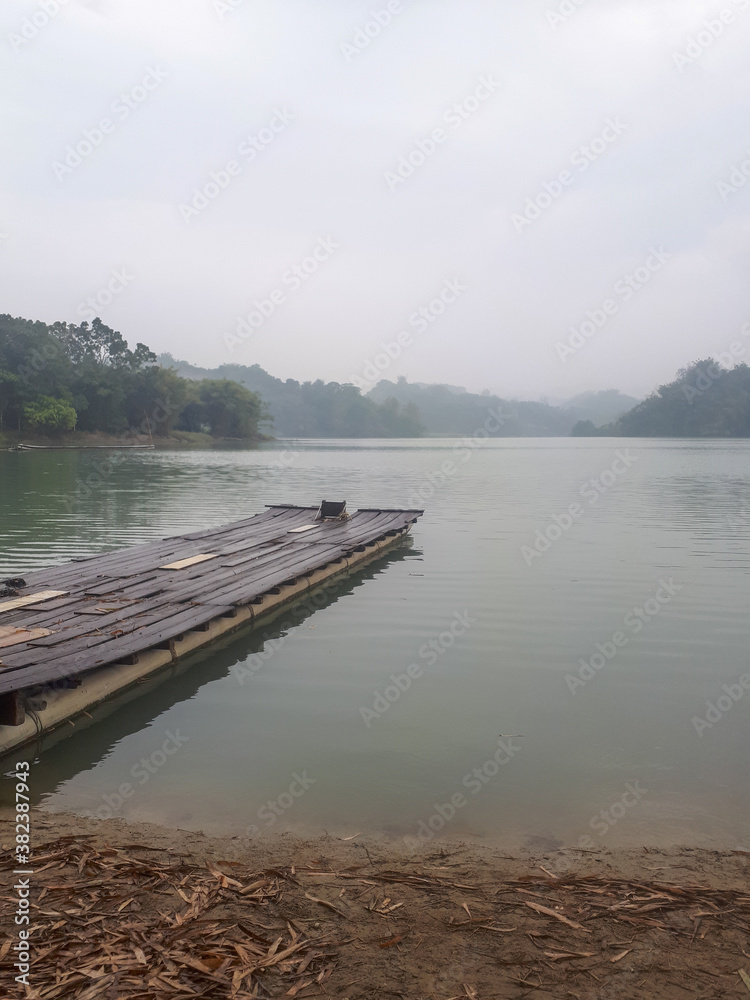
(607, 740)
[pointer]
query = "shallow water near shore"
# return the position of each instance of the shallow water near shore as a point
(584, 602)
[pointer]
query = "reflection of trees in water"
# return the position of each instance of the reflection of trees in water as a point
(710, 503)
(86, 502)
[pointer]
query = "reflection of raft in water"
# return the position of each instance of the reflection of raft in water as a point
(77, 634)
(83, 447)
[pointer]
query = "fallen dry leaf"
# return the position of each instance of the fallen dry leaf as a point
(558, 916)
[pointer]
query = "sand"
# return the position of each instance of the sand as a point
(126, 910)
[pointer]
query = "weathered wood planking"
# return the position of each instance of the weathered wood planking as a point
(166, 588)
(190, 561)
(12, 636)
(27, 599)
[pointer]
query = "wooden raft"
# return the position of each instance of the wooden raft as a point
(111, 607)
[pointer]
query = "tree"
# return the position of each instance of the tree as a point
(100, 346)
(584, 428)
(154, 397)
(53, 416)
(64, 376)
(230, 410)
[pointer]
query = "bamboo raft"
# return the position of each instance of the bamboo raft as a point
(83, 447)
(74, 635)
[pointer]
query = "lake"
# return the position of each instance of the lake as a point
(557, 656)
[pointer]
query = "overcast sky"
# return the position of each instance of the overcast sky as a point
(623, 121)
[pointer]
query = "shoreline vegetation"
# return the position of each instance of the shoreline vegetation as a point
(178, 913)
(83, 385)
(81, 440)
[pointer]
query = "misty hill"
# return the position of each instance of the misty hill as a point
(448, 410)
(705, 400)
(402, 408)
(602, 407)
(312, 409)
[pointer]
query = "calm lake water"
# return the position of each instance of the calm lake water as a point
(597, 651)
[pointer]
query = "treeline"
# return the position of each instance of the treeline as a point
(61, 377)
(402, 408)
(450, 410)
(315, 409)
(705, 400)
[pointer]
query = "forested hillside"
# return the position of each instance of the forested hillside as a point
(601, 407)
(705, 400)
(450, 410)
(62, 377)
(314, 409)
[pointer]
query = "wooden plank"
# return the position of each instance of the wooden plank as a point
(35, 653)
(115, 619)
(243, 591)
(21, 602)
(150, 554)
(112, 652)
(262, 519)
(45, 613)
(190, 561)
(11, 636)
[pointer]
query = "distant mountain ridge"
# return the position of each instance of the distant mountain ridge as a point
(402, 408)
(311, 409)
(601, 407)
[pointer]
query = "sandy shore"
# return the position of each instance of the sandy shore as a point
(125, 910)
